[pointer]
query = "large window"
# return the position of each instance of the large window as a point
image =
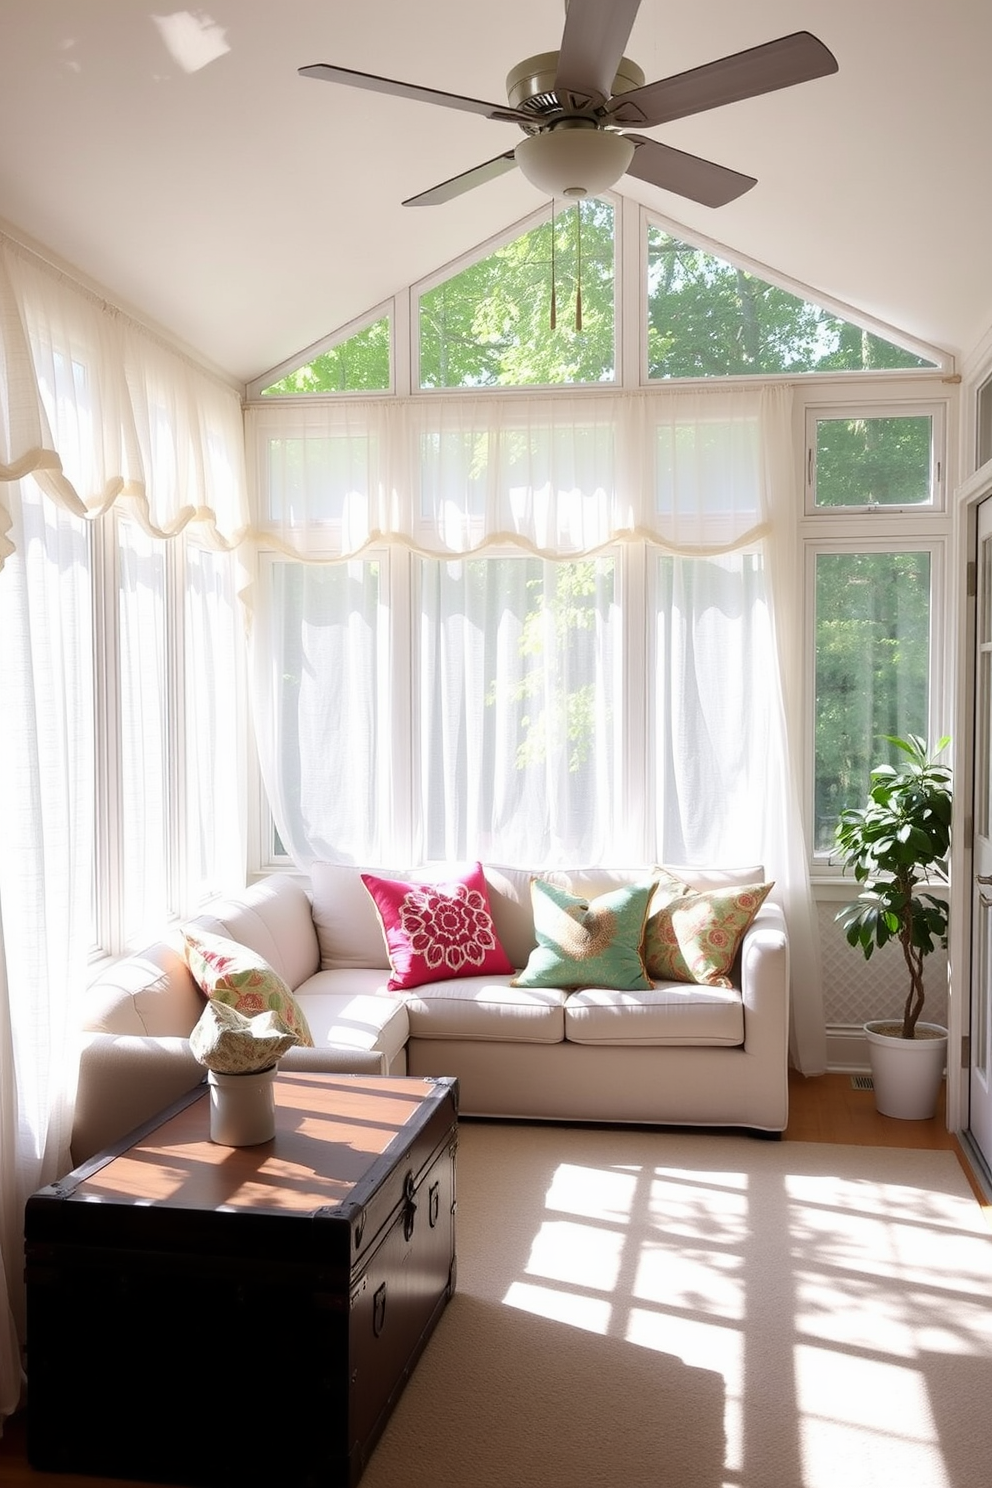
(609, 709)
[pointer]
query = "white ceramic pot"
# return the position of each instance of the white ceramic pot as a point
(906, 1073)
(242, 1107)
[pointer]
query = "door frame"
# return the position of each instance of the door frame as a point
(963, 615)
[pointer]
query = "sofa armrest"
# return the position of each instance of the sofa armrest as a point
(765, 994)
(125, 1080)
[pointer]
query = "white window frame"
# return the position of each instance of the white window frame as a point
(936, 411)
(893, 541)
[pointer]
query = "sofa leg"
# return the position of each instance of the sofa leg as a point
(763, 1136)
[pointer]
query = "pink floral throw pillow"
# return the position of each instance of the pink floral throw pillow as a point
(437, 930)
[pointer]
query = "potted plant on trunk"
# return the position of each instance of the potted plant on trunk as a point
(897, 842)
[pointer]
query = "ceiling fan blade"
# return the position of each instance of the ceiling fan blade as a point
(591, 47)
(762, 69)
(467, 181)
(331, 74)
(687, 175)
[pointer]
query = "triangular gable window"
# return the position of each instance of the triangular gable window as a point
(359, 364)
(536, 312)
(708, 318)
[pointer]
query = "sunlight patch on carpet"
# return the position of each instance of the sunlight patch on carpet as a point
(797, 1314)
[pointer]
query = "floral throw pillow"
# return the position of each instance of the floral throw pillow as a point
(587, 942)
(231, 973)
(696, 936)
(437, 930)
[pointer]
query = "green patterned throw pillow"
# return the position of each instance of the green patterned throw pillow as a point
(695, 937)
(587, 943)
(230, 972)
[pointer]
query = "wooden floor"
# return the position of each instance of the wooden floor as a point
(829, 1108)
(824, 1108)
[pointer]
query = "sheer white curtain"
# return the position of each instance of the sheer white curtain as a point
(558, 475)
(46, 764)
(684, 500)
(101, 415)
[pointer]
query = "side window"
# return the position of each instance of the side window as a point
(863, 459)
(875, 526)
(873, 616)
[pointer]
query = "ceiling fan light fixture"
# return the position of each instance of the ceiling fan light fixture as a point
(575, 159)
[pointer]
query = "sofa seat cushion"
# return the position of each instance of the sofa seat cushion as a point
(349, 1009)
(670, 1013)
(486, 1008)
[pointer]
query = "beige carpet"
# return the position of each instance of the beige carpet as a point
(679, 1310)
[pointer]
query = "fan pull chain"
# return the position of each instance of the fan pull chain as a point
(554, 303)
(578, 266)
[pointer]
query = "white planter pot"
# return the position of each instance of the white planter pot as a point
(906, 1073)
(242, 1107)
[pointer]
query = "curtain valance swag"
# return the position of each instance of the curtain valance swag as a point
(101, 414)
(559, 475)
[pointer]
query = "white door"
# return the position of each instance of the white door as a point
(980, 1077)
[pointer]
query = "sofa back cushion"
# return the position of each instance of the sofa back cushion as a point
(349, 932)
(273, 918)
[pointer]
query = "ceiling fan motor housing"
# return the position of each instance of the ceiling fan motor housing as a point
(530, 87)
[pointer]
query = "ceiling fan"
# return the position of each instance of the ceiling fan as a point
(576, 106)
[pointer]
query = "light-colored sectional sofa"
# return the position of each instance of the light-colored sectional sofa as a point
(678, 1053)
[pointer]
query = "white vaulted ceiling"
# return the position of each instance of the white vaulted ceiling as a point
(177, 160)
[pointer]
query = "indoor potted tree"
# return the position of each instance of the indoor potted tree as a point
(897, 842)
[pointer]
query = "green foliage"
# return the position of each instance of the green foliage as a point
(872, 669)
(359, 364)
(898, 840)
(490, 324)
(707, 318)
(550, 636)
(881, 461)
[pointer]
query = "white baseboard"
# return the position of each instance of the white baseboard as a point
(847, 1049)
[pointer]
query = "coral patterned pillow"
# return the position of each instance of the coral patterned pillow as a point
(695, 937)
(437, 930)
(231, 973)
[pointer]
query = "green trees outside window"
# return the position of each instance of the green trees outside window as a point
(707, 318)
(491, 324)
(872, 670)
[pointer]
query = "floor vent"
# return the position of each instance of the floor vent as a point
(862, 1082)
